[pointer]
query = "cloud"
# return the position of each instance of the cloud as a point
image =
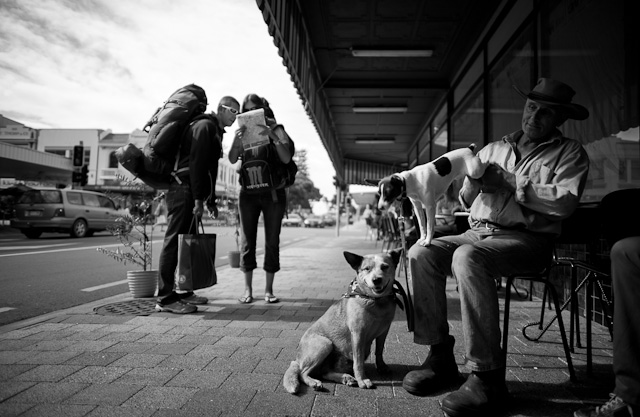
(108, 64)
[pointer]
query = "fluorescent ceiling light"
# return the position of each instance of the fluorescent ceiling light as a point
(392, 53)
(380, 109)
(375, 141)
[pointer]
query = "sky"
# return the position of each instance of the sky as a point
(108, 64)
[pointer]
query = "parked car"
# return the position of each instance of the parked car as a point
(77, 212)
(313, 220)
(293, 220)
(329, 219)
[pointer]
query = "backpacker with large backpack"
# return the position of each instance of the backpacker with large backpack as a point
(262, 170)
(157, 162)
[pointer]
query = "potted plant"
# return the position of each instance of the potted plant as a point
(136, 249)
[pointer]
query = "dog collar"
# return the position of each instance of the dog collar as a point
(354, 291)
(403, 195)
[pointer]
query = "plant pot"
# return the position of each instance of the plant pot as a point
(142, 284)
(234, 259)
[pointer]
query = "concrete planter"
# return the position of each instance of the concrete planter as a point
(142, 284)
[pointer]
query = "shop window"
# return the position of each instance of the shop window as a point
(513, 68)
(572, 51)
(468, 120)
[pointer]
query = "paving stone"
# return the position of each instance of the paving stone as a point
(48, 358)
(122, 337)
(108, 411)
(10, 371)
(161, 338)
(220, 402)
(256, 352)
(89, 346)
(199, 379)
(10, 388)
(263, 404)
(48, 373)
(13, 410)
(139, 360)
(130, 347)
(235, 365)
(148, 376)
(259, 382)
(8, 357)
(161, 397)
(104, 394)
(171, 348)
(47, 393)
(95, 358)
(185, 362)
(97, 374)
(54, 410)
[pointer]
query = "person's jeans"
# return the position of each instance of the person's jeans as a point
(475, 259)
(180, 206)
(251, 205)
(625, 272)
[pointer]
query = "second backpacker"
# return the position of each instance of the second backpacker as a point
(156, 163)
(262, 170)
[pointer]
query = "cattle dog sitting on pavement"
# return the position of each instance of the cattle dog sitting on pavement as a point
(341, 339)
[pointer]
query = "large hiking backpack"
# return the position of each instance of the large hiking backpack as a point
(262, 170)
(156, 163)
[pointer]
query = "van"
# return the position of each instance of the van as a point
(77, 212)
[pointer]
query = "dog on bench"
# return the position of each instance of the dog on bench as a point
(340, 341)
(424, 184)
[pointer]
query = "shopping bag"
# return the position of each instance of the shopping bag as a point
(196, 260)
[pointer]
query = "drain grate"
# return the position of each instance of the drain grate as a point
(127, 308)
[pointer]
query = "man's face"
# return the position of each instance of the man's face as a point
(538, 120)
(227, 113)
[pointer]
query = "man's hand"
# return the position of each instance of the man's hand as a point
(198, 210)
(212, 209)
(496, 178)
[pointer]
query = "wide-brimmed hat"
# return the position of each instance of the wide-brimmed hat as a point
(558, 94)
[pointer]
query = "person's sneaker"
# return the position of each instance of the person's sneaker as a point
(615, 407)
(177, 307)
(194, 299)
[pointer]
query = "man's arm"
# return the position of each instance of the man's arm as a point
(203, 162)
(558, 196)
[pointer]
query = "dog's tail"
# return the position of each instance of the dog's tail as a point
(291, 380)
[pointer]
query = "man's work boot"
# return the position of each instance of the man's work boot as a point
(437, 372)
(482, 393)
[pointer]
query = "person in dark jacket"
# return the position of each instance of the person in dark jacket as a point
(187, 197)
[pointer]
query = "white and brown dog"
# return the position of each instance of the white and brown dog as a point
(424, 184)
(340, 341)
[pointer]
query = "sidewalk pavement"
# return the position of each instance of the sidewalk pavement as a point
(229, 358)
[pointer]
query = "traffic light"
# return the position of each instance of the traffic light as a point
(84, 174)
(76, 177)
(78, 155)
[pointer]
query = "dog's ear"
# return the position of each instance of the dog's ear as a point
(354, 260)
(395, 255)
(371, 182)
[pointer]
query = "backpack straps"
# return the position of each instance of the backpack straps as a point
(177, 171)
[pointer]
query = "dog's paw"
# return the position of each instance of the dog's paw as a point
(316, 385)
(365, 384)
(349, 381)
(424, 242)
